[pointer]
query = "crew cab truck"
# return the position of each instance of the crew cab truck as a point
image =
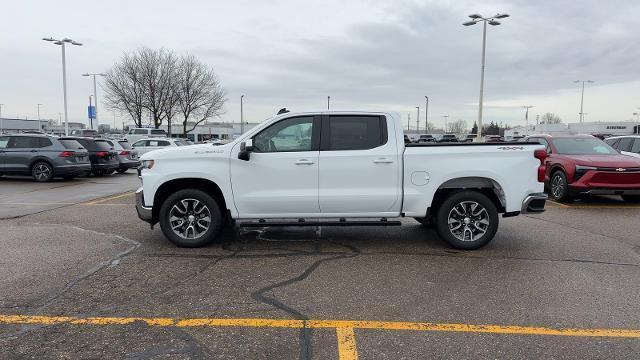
(338, 169)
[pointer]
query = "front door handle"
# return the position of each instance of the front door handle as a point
(34, 150)
(304, 162)
(382, 161)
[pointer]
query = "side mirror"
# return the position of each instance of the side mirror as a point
(246, 147)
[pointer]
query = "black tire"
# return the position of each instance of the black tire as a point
(121, 170)
(483, 216)
(426, 222)
(633, 199)
(188, 195)
(558, 187)
(42, 171)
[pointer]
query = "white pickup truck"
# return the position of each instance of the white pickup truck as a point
(338, 169)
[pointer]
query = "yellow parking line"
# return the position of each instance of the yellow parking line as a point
(320, 324)
(346, 344)
(109, 198)
(593, 206)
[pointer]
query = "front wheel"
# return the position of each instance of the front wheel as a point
(190, 218)
(633, 199)
(559, 188)
(467, 220)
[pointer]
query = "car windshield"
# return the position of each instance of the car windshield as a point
(70, 144)
(103, 145)
(582, 146)
(125, 145)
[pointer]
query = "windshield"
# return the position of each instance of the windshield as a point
(70, 144)
(582, 146)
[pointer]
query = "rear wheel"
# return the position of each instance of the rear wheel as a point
(634, 199)
(467, 220)
(190, 218)
(42, 171)
(558, 187)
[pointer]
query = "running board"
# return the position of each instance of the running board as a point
(302, 222)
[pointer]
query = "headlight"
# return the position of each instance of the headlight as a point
(147, 164)
(585, 168)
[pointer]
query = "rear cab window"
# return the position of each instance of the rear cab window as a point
(351, 132)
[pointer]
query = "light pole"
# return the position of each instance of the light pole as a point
(426, 114)
(39, 124)
(1, 120)
(328, 102)
(241, 114)
(95, 95)
(445, 122)
(582, 96)
(475, 18)
(90, 117)
(418, 119)
(526, 116)
(64, 75)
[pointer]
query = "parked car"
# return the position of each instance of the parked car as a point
(127, 156)
(627, 145)
(84, 133)
(469, 138)
(143, 146)
(104, 159)
(583, 164)
(426, 138)
(42, 157)
(344, 165)
(493, 139)
(448, 138)
(136, 134)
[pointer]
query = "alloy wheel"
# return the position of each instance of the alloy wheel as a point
(557, 186)
(468, 221)
(190, 218)
(41, 172)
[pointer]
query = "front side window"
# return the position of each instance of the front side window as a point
(158, 132)
(140, 131)
(23, 142)
(625, 144)
(139, 143)
(636, 146)
(354, 133)
(293, 134)
(4, 140)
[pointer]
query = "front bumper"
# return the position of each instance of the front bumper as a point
(599, 182)
(534, 203)
(144, 213)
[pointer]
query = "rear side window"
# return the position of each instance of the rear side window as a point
(70, 144)
(625, 144)
(139, 131)
(612, 142)
(24, 142)
(125, 145)
(353, 132)
(158, 132)
(103, 145)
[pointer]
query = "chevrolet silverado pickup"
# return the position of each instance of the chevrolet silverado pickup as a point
(338, 169)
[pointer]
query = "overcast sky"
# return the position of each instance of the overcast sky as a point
(368, 55)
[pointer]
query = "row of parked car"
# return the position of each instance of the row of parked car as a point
(45, 157)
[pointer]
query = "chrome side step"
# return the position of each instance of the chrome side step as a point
(304, 222)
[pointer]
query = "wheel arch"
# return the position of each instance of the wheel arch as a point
(174, 185)
(44, 159)
(487, 186)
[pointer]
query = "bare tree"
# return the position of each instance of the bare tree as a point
(124, 88)
(200, 94)
(158, 71)
(458, 126)
(550, 118)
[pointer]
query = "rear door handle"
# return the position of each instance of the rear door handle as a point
(382, 161)
(304, 162)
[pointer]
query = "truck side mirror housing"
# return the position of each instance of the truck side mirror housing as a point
(246, 147)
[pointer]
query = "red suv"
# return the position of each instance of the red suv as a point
(583, 164)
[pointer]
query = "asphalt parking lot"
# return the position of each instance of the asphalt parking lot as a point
(84, 278)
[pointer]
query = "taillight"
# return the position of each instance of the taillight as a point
(124, 152)
(102, 154)
(541, 154)
(66, 154)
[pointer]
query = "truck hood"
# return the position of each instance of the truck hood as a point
(189, 152)
(608, 161)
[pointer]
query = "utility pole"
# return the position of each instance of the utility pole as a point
(90, 114)
(445, 123)
(242, 114)
(408, 122)
(476, 18)
(328, 102)
(418, 119)
(426, 114)
(1, 120)
(526, 116)
(582, 97)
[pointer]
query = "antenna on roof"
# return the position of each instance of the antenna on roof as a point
(283, 111)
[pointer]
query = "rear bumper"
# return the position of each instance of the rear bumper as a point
(129, 164)
(105, 166)
(76, 169)
(144, 213)
(534, 203)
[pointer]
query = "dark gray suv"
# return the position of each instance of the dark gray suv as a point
(42, 157)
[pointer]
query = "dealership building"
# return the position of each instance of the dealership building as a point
(593, 128)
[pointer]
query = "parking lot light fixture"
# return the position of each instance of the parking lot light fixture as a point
(582, 97)
(476, 18)
(64, 75)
